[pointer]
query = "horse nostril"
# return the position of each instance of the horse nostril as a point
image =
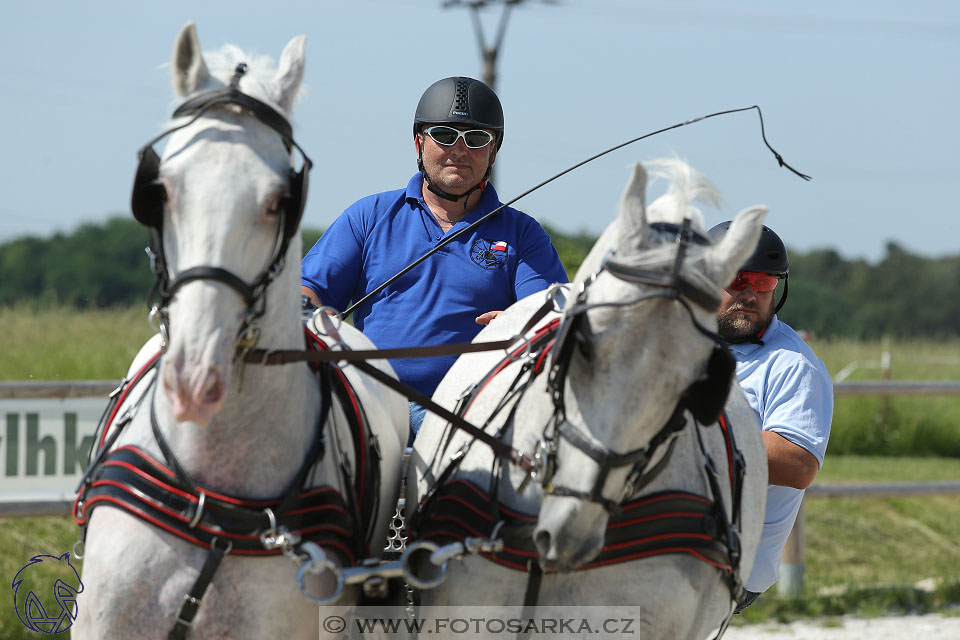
(212, 390)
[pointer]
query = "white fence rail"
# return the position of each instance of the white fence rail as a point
(51, 494)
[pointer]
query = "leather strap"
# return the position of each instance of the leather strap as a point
(191, 601)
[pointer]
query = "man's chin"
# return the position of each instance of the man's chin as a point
(738, 331)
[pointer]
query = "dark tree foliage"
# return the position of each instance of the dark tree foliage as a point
(902, 296)
(98, 265)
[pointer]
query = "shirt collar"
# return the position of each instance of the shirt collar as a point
(489, 200)
(748, 348)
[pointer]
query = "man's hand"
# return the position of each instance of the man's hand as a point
(487, 318)
(311, 294)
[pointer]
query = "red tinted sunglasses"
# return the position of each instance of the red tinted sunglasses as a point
(759, 282)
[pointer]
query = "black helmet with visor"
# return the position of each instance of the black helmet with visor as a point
(769, 257)
(459, 102)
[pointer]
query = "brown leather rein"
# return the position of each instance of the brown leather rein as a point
(359, 358)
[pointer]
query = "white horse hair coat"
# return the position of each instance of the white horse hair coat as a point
(225, 178)
(627, 371)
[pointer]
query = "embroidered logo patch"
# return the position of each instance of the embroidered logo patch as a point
(489, 254)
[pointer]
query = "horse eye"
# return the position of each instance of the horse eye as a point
(276, 204)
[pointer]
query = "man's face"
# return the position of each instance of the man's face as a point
(455, 168)
(744, 313)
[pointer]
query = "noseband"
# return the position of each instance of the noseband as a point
(671, 285)
(149, 198)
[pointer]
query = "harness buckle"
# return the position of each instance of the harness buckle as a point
(526, 350)
(283, 539)
(557, 295)
(198, 512)
(158, 322)
(329, 325)
(188, 610)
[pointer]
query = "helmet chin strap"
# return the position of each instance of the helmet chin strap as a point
(444, 194)
(783, 298)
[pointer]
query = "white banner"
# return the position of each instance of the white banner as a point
(44, 445)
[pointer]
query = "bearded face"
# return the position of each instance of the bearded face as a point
(744, 314)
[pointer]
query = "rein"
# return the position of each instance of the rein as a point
(672, 285)
(638, 527)
(163, 494)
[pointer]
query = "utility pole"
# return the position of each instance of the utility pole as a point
(487, 53)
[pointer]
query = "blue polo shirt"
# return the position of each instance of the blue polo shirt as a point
(506, 258)
(790, 390)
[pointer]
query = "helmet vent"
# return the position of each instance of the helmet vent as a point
(460, 97)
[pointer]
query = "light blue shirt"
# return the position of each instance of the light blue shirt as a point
(790, 390)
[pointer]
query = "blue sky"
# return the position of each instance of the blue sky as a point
(861, 95)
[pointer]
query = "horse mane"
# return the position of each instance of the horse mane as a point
(686, 187)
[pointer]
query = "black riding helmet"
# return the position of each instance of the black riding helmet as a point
(459, 101)
(770, 256)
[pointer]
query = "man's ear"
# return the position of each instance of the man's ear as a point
(493, 156)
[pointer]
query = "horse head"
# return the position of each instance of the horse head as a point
(223, 204)
(638, 339)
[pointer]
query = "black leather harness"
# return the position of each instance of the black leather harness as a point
(163, 494)
(665, 522)
(639, 526)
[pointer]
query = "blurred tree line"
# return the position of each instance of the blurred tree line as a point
(902, 296)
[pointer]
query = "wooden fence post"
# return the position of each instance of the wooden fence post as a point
(792, 560)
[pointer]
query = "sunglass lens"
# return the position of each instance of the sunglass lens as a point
(759, 282)
(443, 135)
(477, 139)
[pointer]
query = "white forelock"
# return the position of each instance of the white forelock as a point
(686, 187)
(260, 75)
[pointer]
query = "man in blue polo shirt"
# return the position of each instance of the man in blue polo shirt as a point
(788, 387)
(457, 132)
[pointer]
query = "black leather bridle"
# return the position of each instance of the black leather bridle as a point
(670, 285)
(149, 198)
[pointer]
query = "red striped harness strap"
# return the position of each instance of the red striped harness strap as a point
(130, 479)
(653, 524)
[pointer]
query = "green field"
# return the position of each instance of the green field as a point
(857, 544)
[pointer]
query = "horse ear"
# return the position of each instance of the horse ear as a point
(189, 70)
(290, 73)
(633, 209)
(725, 258)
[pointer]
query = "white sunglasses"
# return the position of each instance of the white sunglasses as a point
(448, 136)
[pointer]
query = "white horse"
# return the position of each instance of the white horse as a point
(224, 204)
(627, 362)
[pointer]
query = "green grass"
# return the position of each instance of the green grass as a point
(898, 425)
(849, 539)
(868, 552)
(67, 344)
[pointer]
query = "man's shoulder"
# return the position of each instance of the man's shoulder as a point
(523, 224)
(787, 349)
(381, 200)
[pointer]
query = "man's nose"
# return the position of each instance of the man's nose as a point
(746, 293)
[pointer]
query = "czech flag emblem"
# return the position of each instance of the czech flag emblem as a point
(499, 246)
